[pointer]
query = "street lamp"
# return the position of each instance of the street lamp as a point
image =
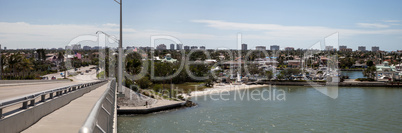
(120, 49)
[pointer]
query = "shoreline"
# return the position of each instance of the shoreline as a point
(230, 87)
(219, 89)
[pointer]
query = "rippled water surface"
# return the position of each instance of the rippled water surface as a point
(356, 109)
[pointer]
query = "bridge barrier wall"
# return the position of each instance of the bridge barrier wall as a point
(102, 116)
(24, 119)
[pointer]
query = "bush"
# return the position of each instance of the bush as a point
(365, 79)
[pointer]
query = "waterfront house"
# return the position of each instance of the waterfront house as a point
(168, 58)
(385, 71)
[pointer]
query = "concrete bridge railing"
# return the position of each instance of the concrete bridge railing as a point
(32, 110)
(101, 118)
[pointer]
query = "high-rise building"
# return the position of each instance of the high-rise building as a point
(243, 46)
(194, 47)
(329, 48)
(375, 48)
(76, 46)
(171, 46)
(179, 46)
(361, 48)
(260, 48)
(186, 47)
(86, 48)
(161, 47)
(342, 48)
(202, 47)
(274, 47)
(289, 48)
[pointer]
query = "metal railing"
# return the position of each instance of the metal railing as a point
(101, 118)
(51, 94)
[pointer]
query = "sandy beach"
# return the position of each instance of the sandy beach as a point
(221, 88)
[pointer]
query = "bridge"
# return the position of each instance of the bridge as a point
(84, 104)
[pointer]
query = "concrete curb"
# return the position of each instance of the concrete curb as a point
(150, 110)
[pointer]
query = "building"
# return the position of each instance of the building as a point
(342, 48)
(86, 48)
(375, 48)
(171, 46)
(348, 50)
(96, 47)
(179, 46)
(289, 49)
(202, 47)
(386, 72)
(194, 47)
(186, 47)
(146, 48)
(274, 47)
(168, 58)
(329, 48)
(161, 47)
(76, 46)
(260, 48)
(361, 48)
(243, 46)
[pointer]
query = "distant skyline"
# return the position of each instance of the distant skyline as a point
(214, 24)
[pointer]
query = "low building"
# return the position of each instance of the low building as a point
(385, 71)
(294, 63)
(168, 58)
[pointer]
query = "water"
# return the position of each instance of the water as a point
(353, 74)
(356, 109)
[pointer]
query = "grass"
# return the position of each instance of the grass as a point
(101, 74)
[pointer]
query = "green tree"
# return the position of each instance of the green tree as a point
(369, 72)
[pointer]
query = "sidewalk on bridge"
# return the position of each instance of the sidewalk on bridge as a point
(69, 118)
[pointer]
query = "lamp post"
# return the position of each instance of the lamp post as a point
(1, 69)
(120, 49)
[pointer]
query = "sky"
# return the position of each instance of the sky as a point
(210, 23)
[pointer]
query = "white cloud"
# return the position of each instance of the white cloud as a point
(22, 34)
(391, 21)
(372, 25)
(275, 31)
(110, 25)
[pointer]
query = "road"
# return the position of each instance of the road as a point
(9, 92)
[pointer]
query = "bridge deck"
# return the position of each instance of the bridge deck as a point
(69, 118)
(7, 92)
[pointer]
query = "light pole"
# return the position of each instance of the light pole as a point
(1, 69)
(120, 49)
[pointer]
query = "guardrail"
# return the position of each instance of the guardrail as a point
(102, 114)
(52, 94)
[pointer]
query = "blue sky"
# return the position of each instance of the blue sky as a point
(210, 23)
